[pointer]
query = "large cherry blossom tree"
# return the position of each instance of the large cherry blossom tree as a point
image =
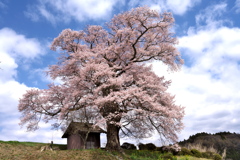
(106, 79)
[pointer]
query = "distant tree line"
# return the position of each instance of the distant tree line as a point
(222, 141)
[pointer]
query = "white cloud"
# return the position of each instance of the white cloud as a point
(206, 96)
(13, 49)
(208, 84)
(178, 7)
(18, 45)
(12, 131)
(14, 46)
(10, 93)
(65, 11)
(7, 67)
(181, 6)
(223, 41)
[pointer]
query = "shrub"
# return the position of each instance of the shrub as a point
(206, 155)
(148, 146)
(142, 146)
(159, 149)
(151, 146)
(196, 153)
(185, 151)
(217, 157)
(174, 149)
(141, 155)
(128, 146)
(168, 156)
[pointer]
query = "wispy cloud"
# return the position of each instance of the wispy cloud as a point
(41, 73)
(178, 7)
(66, 11)
(212, 16)
(237, 6)
(69, 10)
(2, 5)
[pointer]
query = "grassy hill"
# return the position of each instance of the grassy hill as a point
(31, 150)
(224, 143)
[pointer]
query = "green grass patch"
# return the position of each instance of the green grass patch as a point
(190, 158)
(142, 154)
(22, 143)
(31, 150)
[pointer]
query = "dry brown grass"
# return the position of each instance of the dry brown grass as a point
(190, 158)
(31, 151)
(202, 148)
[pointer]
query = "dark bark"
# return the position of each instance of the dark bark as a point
(113, 142)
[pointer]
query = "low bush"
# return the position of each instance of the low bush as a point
(158, 149)
(126, 145)
(167, 156)
(148, 146)
(206, 154)
(185, 151)
(142, 146)
(151, 146)
(196, 153)
(141, 155)
(217, 157)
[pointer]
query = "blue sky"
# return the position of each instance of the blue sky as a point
(209, 41)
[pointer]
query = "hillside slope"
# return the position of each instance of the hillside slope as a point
(222, 142)
(31, 150)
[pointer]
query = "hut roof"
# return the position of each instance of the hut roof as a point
(75, 127)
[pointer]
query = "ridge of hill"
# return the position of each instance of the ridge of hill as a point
(224, 143)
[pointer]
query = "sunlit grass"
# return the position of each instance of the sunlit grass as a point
(31, 150)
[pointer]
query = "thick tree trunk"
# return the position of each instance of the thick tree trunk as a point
(113, 142)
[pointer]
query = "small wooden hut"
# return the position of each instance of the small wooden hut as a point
(76, 133)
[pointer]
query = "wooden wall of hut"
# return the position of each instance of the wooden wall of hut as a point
(75, 141)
